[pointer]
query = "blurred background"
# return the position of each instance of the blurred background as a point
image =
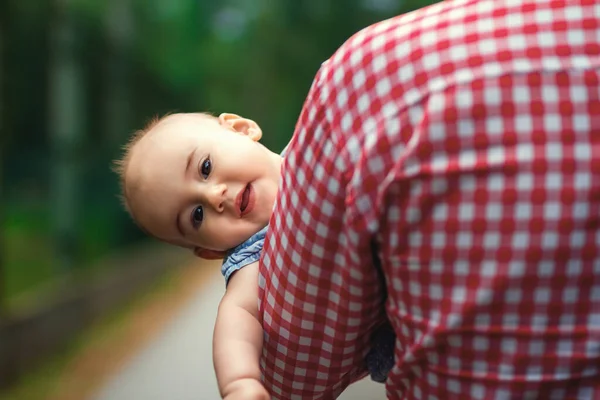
(77, 77)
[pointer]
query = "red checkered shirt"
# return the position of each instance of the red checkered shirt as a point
(458, 146)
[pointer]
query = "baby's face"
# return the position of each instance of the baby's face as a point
(195, 181)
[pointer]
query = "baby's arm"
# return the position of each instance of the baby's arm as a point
(238, 337)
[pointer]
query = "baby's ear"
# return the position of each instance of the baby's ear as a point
(241, 125)
(209, 254)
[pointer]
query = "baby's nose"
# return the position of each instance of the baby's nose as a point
(216, 196)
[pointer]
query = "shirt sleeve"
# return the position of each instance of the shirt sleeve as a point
(319, 295)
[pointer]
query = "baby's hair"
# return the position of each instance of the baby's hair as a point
(120, 165)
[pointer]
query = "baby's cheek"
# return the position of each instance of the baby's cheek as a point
(222, 235)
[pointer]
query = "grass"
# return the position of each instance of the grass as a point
(28, 255)
(29, 249)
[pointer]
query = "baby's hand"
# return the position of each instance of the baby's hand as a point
(246, 389)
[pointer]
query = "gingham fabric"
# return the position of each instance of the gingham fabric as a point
(459, 145)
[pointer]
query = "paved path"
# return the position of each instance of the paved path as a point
(177, 364)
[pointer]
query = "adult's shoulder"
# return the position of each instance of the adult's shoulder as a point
(384, 36)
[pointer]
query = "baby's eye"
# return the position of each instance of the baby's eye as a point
(205, 168)
(197, 216)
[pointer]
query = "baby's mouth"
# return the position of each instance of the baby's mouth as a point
(245, 199)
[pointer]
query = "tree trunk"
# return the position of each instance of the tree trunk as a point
(3, 143)
(120, 29)
(66, 124)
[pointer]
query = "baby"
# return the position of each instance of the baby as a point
(207, 184)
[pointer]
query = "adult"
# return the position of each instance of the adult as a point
(458, 147)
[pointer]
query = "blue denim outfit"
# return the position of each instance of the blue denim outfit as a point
(243, 254)
(381, 357)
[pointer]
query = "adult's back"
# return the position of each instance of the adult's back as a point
(457, 146)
